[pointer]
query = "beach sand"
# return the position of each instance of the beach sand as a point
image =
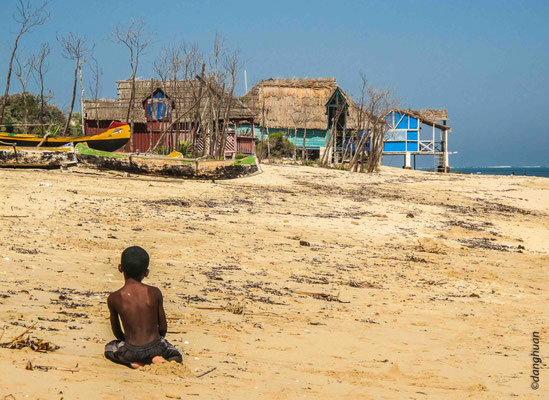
(298, 282)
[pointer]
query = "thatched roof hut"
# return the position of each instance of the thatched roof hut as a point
(183, 96)
(291, 102)
(429, 115)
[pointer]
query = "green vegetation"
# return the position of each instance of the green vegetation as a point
(279, 145)
(15, 114)
(185, 148)
(83, 148)
(75, 128)
(250, 160)
(240, 156)
(162, 150)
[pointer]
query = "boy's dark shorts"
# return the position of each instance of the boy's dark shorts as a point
(124, 353)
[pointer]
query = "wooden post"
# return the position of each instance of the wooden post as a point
(407, 161)
(445, 161)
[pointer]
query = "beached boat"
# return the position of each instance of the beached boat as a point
(36, 157)
(174, 165)
(116, 136)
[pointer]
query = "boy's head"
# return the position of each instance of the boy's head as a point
(135, 262)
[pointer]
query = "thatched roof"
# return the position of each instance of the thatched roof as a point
(183, 95)
(429, 116)
(290, 102)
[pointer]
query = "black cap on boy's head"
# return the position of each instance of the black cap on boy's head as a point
(135, 261)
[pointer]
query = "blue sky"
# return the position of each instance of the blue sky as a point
(487, 61)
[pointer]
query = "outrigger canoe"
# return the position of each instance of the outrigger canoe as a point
(116, 136)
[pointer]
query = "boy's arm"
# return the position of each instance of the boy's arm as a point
(162, 323)
(115, 321)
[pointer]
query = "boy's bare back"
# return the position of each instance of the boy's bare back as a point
(141, 310)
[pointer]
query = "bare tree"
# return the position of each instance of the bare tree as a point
(331, 139)
(220, 83)
(306, 116)
(358, 113)
(41, 68)
(171, 66)
(82, 92)
(296, 121)
(263, 121)
(163, 67)
(23, 72)
(94, 87)
(231, 66)
(372, 126)
(28, 17)
(75, 48)
(174, 64)
(136, 39)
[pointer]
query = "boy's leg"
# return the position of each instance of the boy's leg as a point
(116, 352)
(171, 353)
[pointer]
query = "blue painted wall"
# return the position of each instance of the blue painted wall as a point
(407, 138)
(315, 137)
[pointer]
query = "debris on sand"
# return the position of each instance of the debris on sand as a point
(485, 243)
(32, 367)
(321, 296)
(206, 372)
(235, 308)
(35, 344)
(171, 368)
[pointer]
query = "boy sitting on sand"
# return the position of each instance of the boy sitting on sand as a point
(142, 313)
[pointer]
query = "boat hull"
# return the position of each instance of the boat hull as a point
(148, 164)
(32, 157)
(111, 140)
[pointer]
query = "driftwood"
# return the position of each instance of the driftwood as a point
(322, 296)
(206, 372)
(233, 308)
(21, 335)
(31, 367)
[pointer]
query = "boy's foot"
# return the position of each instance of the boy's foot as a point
(158, 360)
(136, 365)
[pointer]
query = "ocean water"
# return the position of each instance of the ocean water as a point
(506, 170)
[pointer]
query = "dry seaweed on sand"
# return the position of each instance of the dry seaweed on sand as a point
(485, 243)
(321, 296)
(235, 308)
(35, 344)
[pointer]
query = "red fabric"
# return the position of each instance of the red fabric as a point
(115, 124)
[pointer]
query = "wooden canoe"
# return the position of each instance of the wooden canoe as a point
(116, 136)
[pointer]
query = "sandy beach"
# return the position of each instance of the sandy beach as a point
(299, 282)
